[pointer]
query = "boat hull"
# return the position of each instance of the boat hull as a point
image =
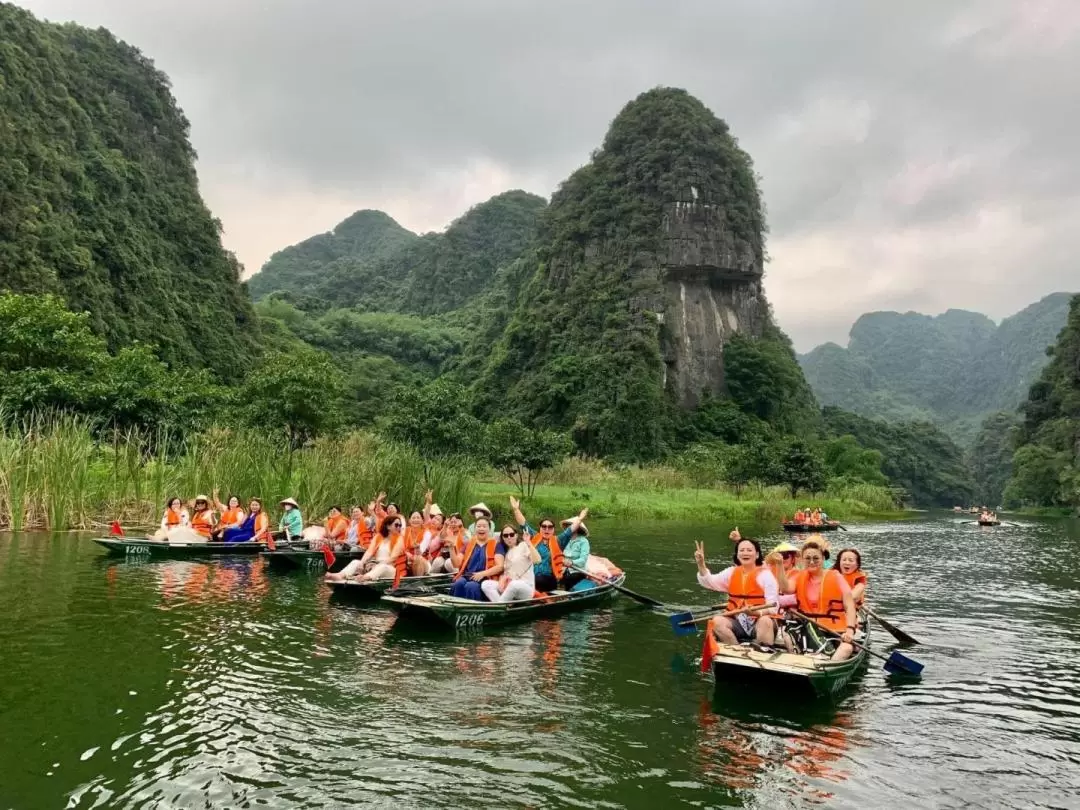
(810, 674)
(989, 522)
(308, 560)
(805, 527)
(450, 611)
(372, 591)
(143, 548)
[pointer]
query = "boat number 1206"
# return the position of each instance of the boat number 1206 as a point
(469, 620)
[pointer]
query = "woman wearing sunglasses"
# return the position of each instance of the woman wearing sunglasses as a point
(517, 581)
(823, 595)
(383, 558)
(551, 569)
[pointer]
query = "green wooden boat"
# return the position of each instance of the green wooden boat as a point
(788, 672)
(791, 526)
(145, 547)
(292, 559)
(370, 591)
(452, 611)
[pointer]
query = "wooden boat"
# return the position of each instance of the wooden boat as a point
(145, 547)
(791, 526)
(455, 612)
(811, 672)
(989, 522)
(290, 559)
(370, 591)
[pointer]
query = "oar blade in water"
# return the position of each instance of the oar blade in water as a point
(898, 664)
(683, 624)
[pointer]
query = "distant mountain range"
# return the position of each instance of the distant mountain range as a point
(952, 369)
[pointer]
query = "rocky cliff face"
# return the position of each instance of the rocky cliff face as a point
(711, 290)
(649, 258)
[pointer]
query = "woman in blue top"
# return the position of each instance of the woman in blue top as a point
(481, 559)
(547, 577)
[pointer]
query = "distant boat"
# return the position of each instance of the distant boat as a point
(792, 526)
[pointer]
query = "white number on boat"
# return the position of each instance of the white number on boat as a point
(134, 551)
(469, 620)
(315, 562)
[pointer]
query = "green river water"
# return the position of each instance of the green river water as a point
(224, 685)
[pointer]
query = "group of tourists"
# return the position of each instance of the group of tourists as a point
(513, 563)
(809, 517)
(199, 520)
(773, 589)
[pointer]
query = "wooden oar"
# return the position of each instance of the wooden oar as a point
(684, 623)
(892, 630)
(841, 528)
(637, 597)
(895, 663)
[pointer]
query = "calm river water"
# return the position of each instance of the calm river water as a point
(224, 685)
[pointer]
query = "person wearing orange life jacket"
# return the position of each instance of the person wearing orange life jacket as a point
(849, 564)
(358, 535)
(203, 520)
(551, 572)
(232, 515)
(482, 559)
(748, 582)
(451, 539)
(337, 526)
(413, 537)
(384, 558)
(175, 515)
(822, 595)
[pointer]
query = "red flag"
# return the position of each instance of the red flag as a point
(270, 544)
(116, 530)
(708, 649)
(328, 555)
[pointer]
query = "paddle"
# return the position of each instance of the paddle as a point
(841, 528)
(637, 597)
(684, 623)
(895, 663)
(892, 630)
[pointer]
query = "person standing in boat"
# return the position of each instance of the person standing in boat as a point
(203, 519)
(482, 559)
(823, 595)
(517, 581)
(747, 583)
(292, 522)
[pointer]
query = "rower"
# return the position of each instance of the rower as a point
(292, 522)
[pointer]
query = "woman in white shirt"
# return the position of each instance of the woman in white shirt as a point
(517, 581)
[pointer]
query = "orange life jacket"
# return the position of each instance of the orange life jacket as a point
(414, 535)
(799, 516)
(336, 527)
(230, 516)
(398, 562)
(203, 522)
(744, 589)
(558, 565)
(262, 527)
(172, 518)
(470, 547)
(853, 579)
(829, 609)
(363, 533)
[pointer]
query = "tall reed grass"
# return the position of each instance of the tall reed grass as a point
(54, 473)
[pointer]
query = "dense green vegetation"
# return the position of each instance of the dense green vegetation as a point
(99, 201)
(916, 456)
(991, 456)
(522, 334)
(1046, 466)
(953, 369)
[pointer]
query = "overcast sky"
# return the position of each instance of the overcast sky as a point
(916, 155)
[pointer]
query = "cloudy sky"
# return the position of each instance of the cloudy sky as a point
(916, 155)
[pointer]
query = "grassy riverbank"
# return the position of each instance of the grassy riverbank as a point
(660, 492)
(55, 475)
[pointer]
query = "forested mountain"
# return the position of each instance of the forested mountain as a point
(646, 281)
(372, 263)
(358, 241)
(1046, 466)
(99, 201)
(916, 456)
(954, 369)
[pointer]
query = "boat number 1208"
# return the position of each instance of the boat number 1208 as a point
(137, 551)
